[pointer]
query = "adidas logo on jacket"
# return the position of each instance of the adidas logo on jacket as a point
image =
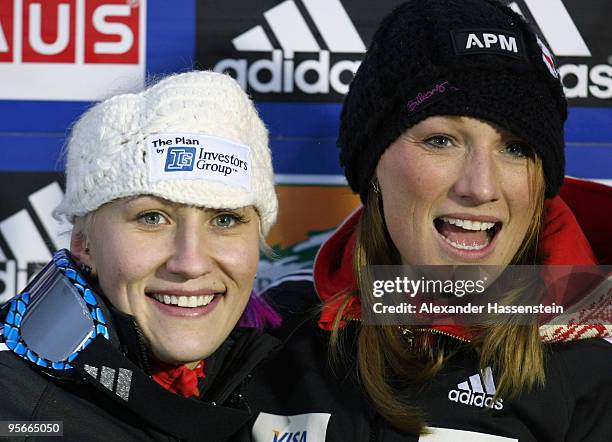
(471, 391)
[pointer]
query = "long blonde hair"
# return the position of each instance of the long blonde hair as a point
(513, 351)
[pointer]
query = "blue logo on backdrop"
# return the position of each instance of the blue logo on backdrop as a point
(180, 159)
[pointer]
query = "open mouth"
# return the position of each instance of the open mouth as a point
(465, 234)
(184, 301)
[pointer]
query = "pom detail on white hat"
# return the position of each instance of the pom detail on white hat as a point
(111, 154)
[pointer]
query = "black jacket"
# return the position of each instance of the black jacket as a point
(91, 412)
(575, 404)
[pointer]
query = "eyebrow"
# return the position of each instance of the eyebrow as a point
(131, 200)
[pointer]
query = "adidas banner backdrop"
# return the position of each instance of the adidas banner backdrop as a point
(295, 57)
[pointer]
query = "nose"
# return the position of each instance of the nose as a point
(191, 257)
(478, 181)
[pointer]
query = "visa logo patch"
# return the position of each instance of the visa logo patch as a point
(485, 41)
(298, 436)
(308, 427)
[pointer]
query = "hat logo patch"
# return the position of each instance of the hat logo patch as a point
(430, 95)
(484, 41)
(198, 157)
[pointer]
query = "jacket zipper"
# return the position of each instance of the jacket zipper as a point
(143, 355)
(423, 330)
(373, 430)
(440, 332)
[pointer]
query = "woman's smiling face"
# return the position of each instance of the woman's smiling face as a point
(457, 190)
(184, 273)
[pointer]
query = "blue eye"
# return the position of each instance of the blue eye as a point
(519, 150)
(225, 220)
(439, 141)
(153, 218)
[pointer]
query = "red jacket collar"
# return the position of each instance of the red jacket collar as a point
(563, 242)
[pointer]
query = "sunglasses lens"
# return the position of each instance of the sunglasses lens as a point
(55, 325)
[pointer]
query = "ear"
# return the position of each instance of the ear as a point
(78, 247)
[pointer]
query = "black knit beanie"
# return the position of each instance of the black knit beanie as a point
(474, 58)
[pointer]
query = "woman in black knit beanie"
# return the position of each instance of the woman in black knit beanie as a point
(452, 135)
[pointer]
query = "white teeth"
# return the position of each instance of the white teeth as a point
(468, 224)
(184, 301)
(467, 247)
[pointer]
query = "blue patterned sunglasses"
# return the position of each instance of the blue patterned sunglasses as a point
(55, 317)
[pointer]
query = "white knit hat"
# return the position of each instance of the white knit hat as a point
(192, 138)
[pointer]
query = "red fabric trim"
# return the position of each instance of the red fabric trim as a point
(179, 379)
(563, 241)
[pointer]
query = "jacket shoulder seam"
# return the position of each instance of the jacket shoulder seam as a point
(41, 400)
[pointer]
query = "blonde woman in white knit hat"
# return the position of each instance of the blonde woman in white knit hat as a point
(132, 334)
